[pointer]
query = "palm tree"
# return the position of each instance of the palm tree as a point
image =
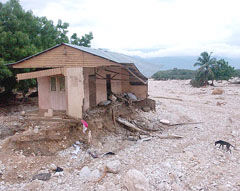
(206, 63)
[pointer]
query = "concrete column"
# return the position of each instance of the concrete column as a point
(74, 91)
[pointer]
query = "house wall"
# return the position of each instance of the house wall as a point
(86, 73)
(48, 99)
(101, 91)
(64, 56)
(141, 91)
(74, 91)
(44, 93)
(118, 86)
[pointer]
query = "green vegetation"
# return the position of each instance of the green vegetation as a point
(178, 74)
(22, 34)
(211, 69)
(237, 73)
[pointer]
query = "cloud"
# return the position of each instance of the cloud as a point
(166, 27)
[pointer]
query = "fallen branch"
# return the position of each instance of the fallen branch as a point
(130, 125)
(178, 99)
(168, 136)
(190, 123)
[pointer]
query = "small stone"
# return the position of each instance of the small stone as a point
(114, 166)
(77, 143)
(165, 121)
(217, 91)
(58, 174)
(146, 108)
(112, 97)
(20, 176)
(22, 113)
(35, 130)
(84, 172)
(136, 181)
(95, 175)
(52, 167)
(42, 176)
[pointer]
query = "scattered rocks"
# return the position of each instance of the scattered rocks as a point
(42, 176)
(136, 181)
(146, 109)
(132, 97)
(165, 121)
(112, 98)
(2, 168)
(217, 91)
(114, 166)
(85, 172)
(95, 175)
(57, 174)
(104, 103)
(22, 113)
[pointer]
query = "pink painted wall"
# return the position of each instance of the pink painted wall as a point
(75, 91)
(86, 73)
(44, 100)
(140, 91)
(48, 99)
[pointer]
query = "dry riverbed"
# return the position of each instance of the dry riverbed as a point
(190, 163)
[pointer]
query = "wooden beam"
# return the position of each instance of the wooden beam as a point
(136, 76)
(42, 73)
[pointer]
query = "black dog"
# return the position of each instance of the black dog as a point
(222, 143)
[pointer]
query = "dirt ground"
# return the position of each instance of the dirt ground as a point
(190, 163)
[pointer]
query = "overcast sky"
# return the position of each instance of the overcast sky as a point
(150, 27)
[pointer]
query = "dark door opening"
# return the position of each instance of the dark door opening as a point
(92, 90)
(108, 83)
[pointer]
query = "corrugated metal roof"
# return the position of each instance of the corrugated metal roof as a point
(113, 56)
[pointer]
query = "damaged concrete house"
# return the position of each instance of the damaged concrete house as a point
(74, 78)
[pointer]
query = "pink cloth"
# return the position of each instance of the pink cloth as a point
(84, 123)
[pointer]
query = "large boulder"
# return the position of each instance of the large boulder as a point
(136, 181)
(217, 91)
(114, 166)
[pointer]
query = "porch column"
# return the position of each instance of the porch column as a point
(74, 91)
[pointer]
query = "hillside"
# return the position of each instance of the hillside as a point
(149, 66)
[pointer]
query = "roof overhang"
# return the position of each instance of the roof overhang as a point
(42, 73)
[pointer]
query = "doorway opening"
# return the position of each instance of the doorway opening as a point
(108, 83)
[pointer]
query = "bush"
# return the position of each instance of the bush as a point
(178, 74)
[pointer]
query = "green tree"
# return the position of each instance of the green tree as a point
(222, 71)
(22, 34)
(83, 41)
(204, 72)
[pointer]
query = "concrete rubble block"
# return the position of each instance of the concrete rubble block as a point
(146, 108)
(114, 166)
(42, 176)
(85, 172)
(136, 181)
(49, 113)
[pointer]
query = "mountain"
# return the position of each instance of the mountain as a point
(149, 66)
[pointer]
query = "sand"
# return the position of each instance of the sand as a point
(190, 163)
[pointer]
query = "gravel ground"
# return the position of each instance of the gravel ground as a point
(190, 163)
